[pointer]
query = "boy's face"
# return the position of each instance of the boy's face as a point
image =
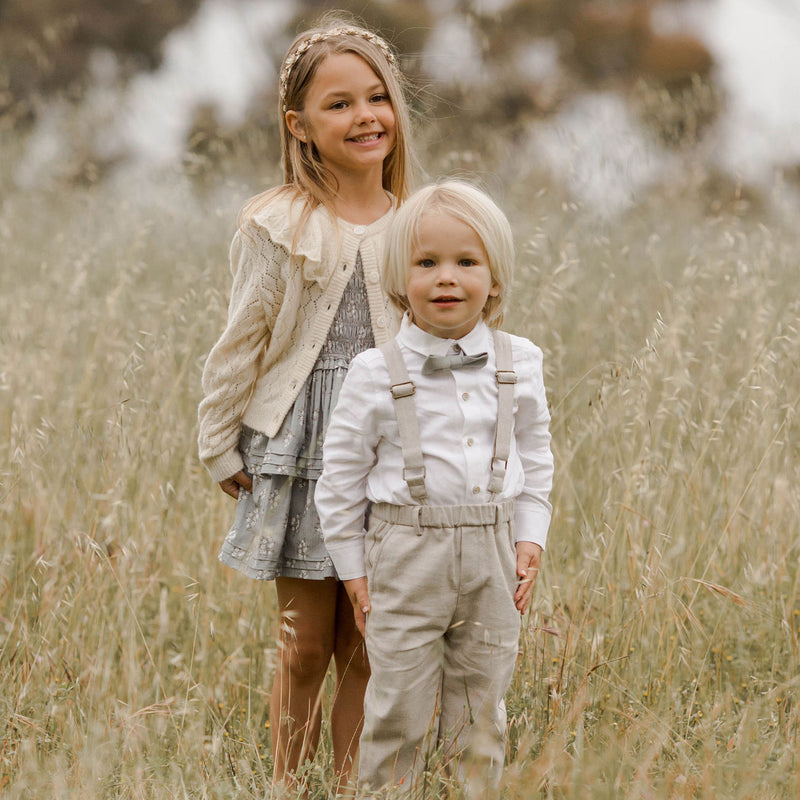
(449, 279)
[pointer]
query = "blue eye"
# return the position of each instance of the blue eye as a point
(427, 263)
(467, 262)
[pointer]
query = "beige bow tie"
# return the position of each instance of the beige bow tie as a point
(458, 361)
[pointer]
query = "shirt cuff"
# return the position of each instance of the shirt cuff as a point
(348, 558)
(225, 465)
(531, 526)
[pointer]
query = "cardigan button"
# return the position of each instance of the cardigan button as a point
(359, 229)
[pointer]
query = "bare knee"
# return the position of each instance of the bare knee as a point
(304, 660)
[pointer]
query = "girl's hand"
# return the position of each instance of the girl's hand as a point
(231, 485)
(528, 557)
(356, 589)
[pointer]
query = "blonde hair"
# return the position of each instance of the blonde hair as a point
(464, 202)
(304, 175)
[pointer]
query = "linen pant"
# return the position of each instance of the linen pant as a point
(442, 639)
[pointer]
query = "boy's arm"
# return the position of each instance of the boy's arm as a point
(533, 509)
(348, 457)
(356, 589)
(531, 431)
(529, 557)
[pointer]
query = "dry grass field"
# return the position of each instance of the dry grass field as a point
(662, 657)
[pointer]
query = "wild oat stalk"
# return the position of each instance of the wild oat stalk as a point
(662, 657)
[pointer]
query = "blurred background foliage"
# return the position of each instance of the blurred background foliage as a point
(535, 56)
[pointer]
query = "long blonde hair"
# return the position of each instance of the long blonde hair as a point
(305, 177)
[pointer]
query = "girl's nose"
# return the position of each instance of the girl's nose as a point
(365, 113)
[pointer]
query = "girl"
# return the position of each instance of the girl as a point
(306, 298)
(444, 431)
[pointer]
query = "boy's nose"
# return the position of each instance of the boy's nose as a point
(446, 273)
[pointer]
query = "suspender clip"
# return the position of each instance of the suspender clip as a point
(505, 376)
(406, 389)
(414, 480)
(416, 483)
(504, 462)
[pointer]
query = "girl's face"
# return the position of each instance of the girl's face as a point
(449, 279)
(347, 116)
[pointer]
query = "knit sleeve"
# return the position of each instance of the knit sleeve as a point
(232, 367)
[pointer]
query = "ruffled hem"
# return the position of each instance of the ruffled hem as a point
(290, 568)
(296, 449)
(276, 532)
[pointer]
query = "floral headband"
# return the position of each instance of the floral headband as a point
(293, 57)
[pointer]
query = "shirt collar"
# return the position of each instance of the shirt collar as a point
(426, 344)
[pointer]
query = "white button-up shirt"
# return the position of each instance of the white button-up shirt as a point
(457, 416)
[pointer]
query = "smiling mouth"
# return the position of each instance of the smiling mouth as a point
(367, 137)
(447, 300)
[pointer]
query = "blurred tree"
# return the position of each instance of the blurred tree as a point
(45, 45)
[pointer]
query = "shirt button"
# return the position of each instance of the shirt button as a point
(476, 490)
(465, 396)
(470, 442)
(359, 229)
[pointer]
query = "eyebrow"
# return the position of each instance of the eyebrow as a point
(416, 252)
(376, 87)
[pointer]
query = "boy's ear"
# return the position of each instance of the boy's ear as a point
(296, 125)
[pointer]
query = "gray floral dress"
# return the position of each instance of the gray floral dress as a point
(276, 530)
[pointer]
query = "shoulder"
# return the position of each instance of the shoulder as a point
(365, 391)
(369, 363)
(284, 217)
(524, 351)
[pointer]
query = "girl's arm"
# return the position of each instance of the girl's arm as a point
(231, 486)
(232, 366)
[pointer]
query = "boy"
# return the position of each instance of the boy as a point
(443, 435)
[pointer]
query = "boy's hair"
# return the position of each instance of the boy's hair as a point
(464, 202)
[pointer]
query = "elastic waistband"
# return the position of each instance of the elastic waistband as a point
(445, 516)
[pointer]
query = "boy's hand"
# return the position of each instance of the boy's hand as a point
(231, 485)
(528, 557)
(356, 589)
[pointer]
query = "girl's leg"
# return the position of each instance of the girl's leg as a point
(352, 674)
(306, 643)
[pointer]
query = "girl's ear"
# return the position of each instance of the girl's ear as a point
(495, 290)
(296, 125)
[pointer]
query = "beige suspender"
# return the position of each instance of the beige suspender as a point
(506, 378)
(403, 389)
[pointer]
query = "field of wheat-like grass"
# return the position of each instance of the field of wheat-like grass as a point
(662, 657)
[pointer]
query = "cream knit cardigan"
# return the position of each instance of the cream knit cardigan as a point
(280, 312)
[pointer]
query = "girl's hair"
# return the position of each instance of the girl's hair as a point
(470, 205)
(303, 172)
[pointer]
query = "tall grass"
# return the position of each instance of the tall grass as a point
(661, 659)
